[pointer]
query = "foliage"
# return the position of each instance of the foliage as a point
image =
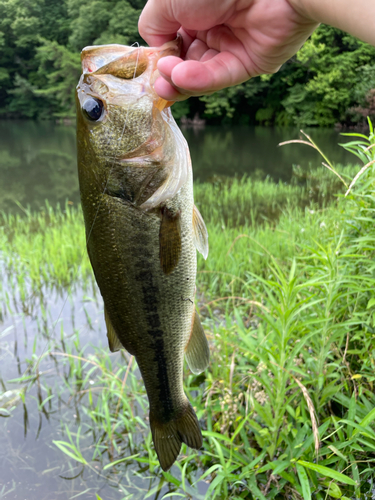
(103, 21)
(329, 81)
(334, 65)
(61, 69)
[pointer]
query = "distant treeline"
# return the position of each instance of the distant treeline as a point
(331, 80)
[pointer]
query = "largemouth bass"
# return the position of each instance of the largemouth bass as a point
(142, 230)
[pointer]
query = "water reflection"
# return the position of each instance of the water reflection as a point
(66, 328)
(254, 150)
(37, 162)
(38, 159)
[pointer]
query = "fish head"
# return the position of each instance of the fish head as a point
(120, 118)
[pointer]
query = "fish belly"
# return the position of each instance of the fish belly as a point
(151, 311)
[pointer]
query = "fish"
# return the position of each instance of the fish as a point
(143, 230)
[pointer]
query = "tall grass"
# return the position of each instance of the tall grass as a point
(47, 248)
(287, 406)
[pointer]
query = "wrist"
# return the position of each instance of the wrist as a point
(355, 18)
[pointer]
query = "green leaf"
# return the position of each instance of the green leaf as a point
(254, 489)
(220, 453)
(216, 435)
(112, 464)
(239, 428)
(333, 490)
(325, 471)
(351, 413)
(355, 473)
(353, 134)
(168, 476)
(208, 472)
(367, 420)
(304, 481)
(62, 445)
(337, 452)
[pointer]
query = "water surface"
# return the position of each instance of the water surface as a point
(38, 159)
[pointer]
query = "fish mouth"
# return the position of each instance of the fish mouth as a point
(126, 62)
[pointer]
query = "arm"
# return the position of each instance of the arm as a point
(355, 17)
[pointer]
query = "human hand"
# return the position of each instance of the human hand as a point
(225, 42)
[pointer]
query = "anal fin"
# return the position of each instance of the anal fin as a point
(200, 234)
(113, 340)
(169, 240)
(197, 351)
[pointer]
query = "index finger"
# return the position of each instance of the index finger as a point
(199, 78)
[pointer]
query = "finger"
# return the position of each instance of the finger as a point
(196, 50)
(188, 37)
(161, 19)
(164, 86)
(209, 54)
(222, 70)
(166, 65)
(199, 51)
(156, 25)
(165, 90)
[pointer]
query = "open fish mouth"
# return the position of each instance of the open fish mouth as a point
(127, 63)
(117, 78)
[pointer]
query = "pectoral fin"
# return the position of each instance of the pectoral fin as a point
(200, 234)
(197, 351)
(113, 341)
(169, 240)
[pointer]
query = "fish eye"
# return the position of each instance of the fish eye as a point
(93, 108)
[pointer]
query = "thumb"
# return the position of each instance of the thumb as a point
(157, 24)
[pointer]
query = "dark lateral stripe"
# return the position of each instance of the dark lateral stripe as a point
(150, 293)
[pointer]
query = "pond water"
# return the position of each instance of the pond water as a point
(38, 159)
(42, 339)
(38, 163)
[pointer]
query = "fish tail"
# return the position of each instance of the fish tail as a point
(169, 436)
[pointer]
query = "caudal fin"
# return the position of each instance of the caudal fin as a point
(169, 436)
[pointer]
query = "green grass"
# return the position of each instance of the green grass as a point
(48, 247)
(287, 406)
(235, 203)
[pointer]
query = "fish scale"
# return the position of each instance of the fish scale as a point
(142, 231)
